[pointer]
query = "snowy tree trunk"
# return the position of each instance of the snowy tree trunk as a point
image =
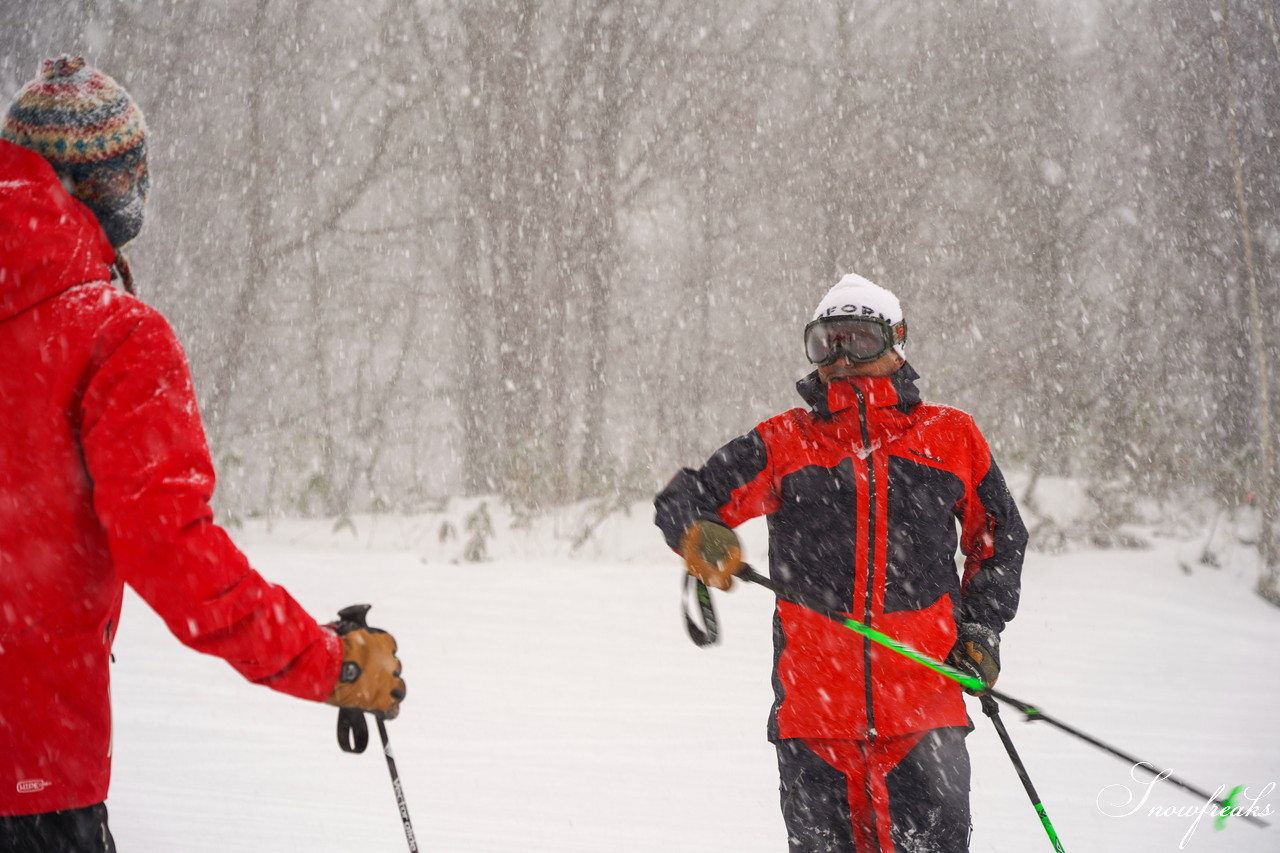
(257, 225)
(595, 470)
(1268, 580)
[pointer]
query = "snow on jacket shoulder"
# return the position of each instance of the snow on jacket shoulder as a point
(864, 492)
(105, 478)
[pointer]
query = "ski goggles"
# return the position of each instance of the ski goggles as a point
(859, 339)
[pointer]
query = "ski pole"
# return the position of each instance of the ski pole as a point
(992, 709)
(396, 786)
(353, 730)
(1032, 713)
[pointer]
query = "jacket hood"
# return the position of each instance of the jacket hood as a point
(898, 390)
(49, 242)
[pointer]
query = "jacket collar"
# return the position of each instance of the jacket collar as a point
(897, 390)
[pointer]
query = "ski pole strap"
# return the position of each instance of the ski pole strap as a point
(752, 576)
(709, 633)
(353, 731)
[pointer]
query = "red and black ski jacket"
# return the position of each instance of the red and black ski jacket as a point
(868, 493)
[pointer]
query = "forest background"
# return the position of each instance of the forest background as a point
(552, 250)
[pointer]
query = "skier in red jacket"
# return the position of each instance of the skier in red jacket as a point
(105, 477)
(864, 491)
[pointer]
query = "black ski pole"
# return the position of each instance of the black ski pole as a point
(782, 591)
(1033, 714)
(396, 786)
(353, 730)
(992, 709)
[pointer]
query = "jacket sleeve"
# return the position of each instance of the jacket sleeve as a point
(994, 541)
(734, 485)
(145, 452)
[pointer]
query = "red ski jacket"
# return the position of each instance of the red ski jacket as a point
(864, 493)
(105, 478)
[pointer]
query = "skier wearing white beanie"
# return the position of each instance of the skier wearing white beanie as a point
(864, 489)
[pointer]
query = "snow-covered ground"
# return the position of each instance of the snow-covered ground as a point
(556, 704)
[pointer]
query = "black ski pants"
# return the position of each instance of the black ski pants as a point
(892, 795)
(72, 831)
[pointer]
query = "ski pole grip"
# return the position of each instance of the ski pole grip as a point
(352, 618)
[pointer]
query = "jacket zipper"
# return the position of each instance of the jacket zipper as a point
(871, 558)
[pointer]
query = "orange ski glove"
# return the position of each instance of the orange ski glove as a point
(712, 553)
(370, 679)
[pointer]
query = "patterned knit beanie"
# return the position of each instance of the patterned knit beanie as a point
(92, 133)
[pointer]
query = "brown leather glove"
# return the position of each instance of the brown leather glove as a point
(370, 679)
(974, 658)
(712, 553)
